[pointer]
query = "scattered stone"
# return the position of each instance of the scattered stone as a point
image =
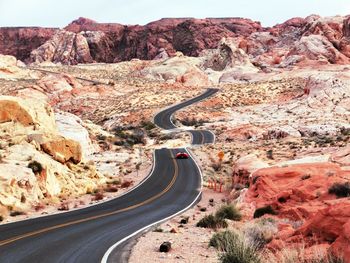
(165, 247)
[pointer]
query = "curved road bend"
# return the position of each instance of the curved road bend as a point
(163, 119)
(84, 235)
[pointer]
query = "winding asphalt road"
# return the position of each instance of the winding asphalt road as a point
(164, 119)
(85, 235)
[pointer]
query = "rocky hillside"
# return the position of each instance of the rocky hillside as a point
(20, 41)
(298, 40)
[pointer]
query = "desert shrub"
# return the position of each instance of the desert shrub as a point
(340, 190)
(158, 229)
(298, 255)
(210, 221)
(16, 213)
(326, 259)
(148, 125)
(36, 167)
(126, 184)
(260, 233)
(259, 212)
(63, 207)
(345, 131)
(98, 196)
(221, 240)
(239, 251)
(191, 122)
(228, 212)
(101, 137)
(138, 137)
(216, 166)
(269, 154)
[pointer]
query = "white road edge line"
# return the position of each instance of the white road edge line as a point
(110, 249)
(98, 203)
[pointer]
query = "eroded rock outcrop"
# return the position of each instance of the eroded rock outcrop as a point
(27, 113)
(37, 163)
(21, 41)
(64, 47)
(298, 40)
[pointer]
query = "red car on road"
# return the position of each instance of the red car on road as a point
(182, 155)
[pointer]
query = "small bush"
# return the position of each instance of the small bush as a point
(239, 251)
(16, 213)
(148, 125)
(210, 221)
(269, 154)
(260, 233)
(228, 212)
(326, 259)
(63, 207)
(264, 210)
(158, 229)
(191, 122)
(221, 240)
(126, 184)
(36, 167)
(340, 190)
(216, 166)
(98, 196)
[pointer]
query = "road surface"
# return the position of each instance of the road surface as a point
(85, 235)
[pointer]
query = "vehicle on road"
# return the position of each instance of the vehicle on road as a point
(182, 155)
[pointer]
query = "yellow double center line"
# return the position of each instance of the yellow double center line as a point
(44, 230)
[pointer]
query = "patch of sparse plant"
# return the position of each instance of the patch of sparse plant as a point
(191, 121)
(210, 221)
(228, 212)
(148, 125)
(239, 251)
(269, 154)
(36, 167)
(16, 213)
(259, 212)
(261, 232)
(222, 240)
(158, 229)
(340, 189)
(216, 166)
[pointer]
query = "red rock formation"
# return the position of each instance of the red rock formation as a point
(20, 41)
(296, 41)
(296, 192)
(300, 194)
(115, 42)
(65, 47)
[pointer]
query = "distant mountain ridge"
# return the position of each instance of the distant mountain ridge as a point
(324, 39)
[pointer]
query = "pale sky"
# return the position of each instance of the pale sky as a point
(59, 13)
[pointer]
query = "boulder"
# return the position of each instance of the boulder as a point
(165, 247)
(28, 112)
(70, 126)
(12, 111)
(62, 149)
